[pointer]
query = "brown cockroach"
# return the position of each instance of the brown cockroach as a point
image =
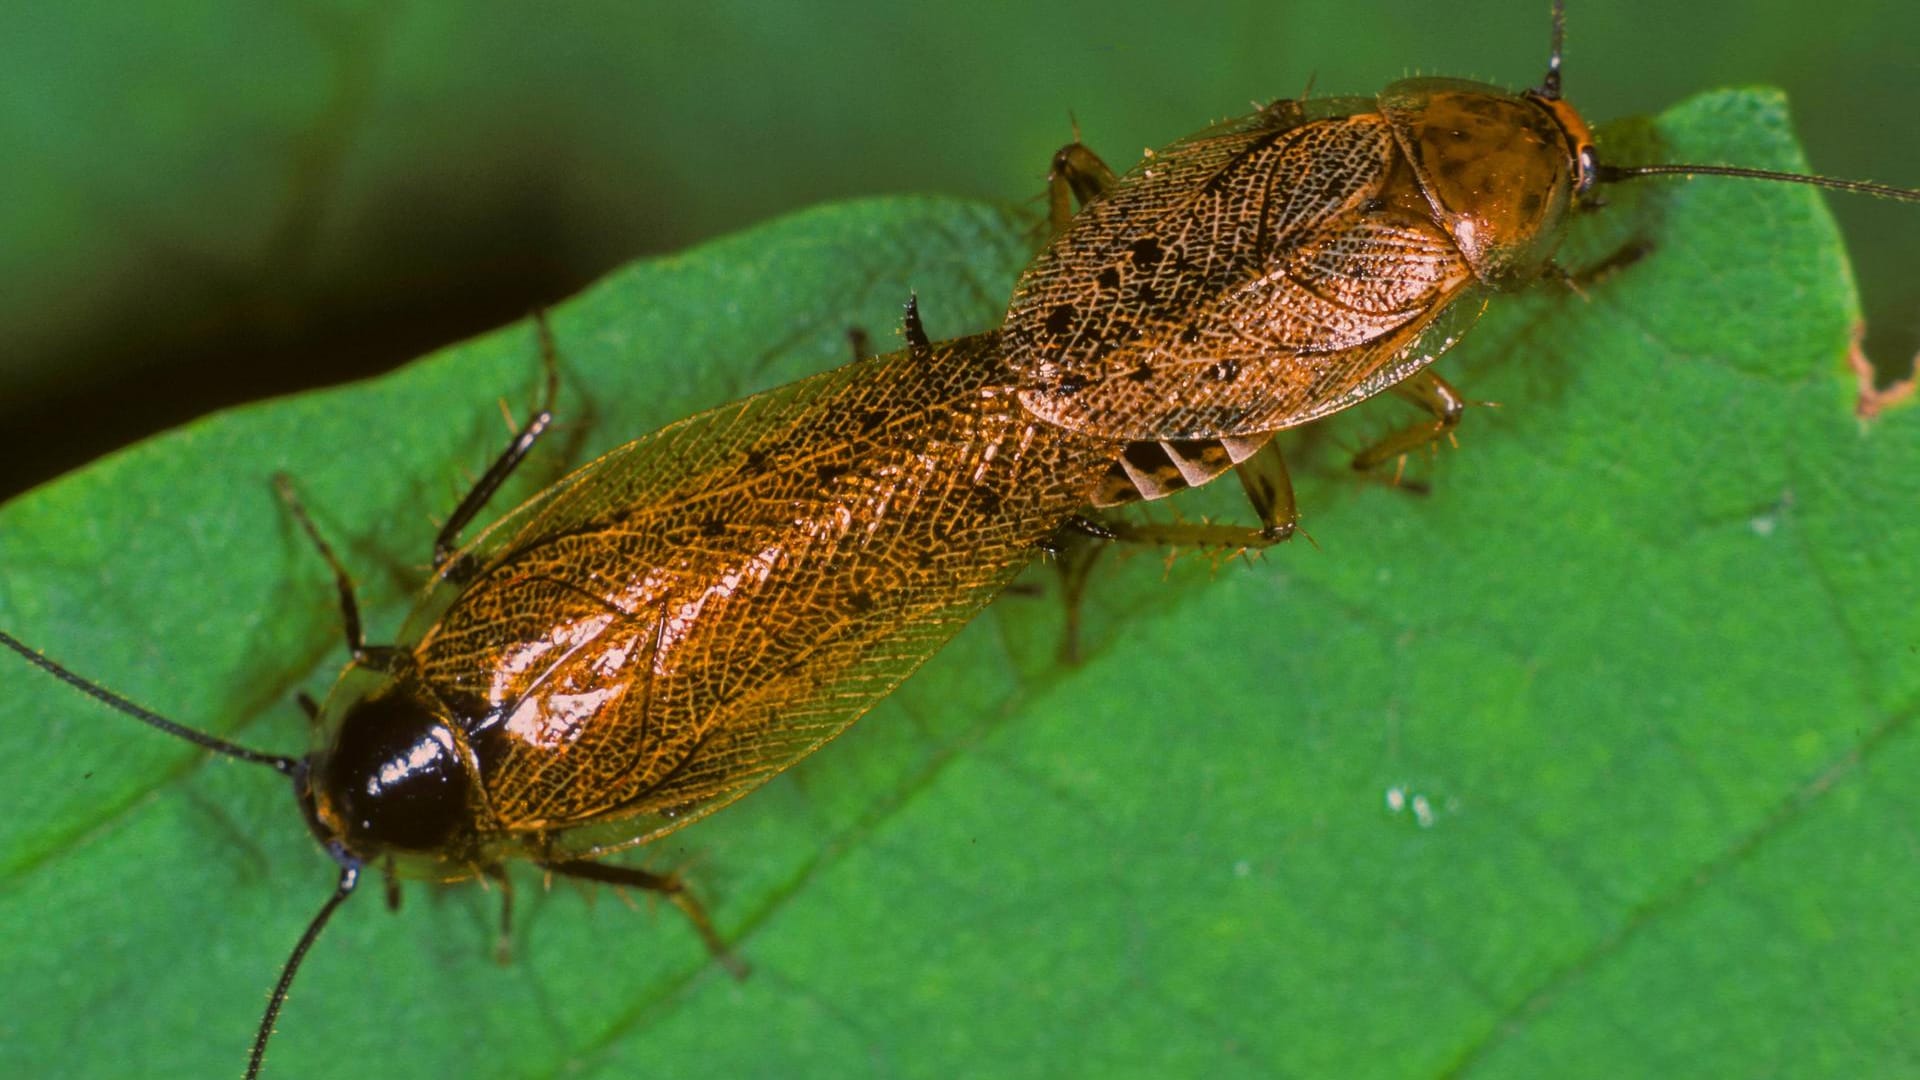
(1278, 268)
(673, 624)
(668, 627)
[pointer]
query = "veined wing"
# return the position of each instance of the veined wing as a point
(695, 611)
(1232, 284)
(1328, 325)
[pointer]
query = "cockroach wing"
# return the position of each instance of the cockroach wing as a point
(690, 614)
(1316, 334)
(1234, 285)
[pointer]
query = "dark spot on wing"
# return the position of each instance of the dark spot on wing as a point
(1060, 319)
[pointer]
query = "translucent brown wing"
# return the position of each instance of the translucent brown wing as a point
(1235, 284)
(690, 614)
(1317, 333)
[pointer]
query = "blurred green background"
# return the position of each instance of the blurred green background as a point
(209, 202)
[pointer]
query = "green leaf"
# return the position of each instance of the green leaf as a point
(1589, 762)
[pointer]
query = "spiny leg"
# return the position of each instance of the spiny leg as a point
(1430, 392)
(374, 657)
(463, 514)
(1079, 543)
(446, 544)
(667, 885)
(1076, 173)
(1269, 488)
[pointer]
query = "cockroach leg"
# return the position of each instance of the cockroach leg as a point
(1076, 548)
(503, 946)
(1090, 526)
(1074, 529)
(390, 882)
(860, 341)
(1626, 255)
(1079, 542)
(342, 581)
(446, 545)
(1206, 535)
(1269, 489)
(1073, 548)
(377, 658)
(1077, 174)
(1430, 392)
(667, 885)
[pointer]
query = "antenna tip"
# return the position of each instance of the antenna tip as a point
(1550, 86)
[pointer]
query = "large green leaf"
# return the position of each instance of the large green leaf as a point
(1588, 762)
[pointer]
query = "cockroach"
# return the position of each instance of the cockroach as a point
(668, 627)
(1275, 269)
(678, 621)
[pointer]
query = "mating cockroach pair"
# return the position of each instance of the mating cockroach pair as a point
(678, 621)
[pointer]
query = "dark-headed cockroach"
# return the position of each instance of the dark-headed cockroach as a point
(668, 627)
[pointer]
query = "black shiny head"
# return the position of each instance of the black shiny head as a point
(392, 779)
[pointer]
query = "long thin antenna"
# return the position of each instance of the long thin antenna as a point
(1550, 86)
(285, 765)
(349, 878)
(1606, 174)
(1613, 173)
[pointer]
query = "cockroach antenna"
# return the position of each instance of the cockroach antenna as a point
(1608, 174)
(286, 766)
(293, 768)
(1596, 172)
(1550, 85)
